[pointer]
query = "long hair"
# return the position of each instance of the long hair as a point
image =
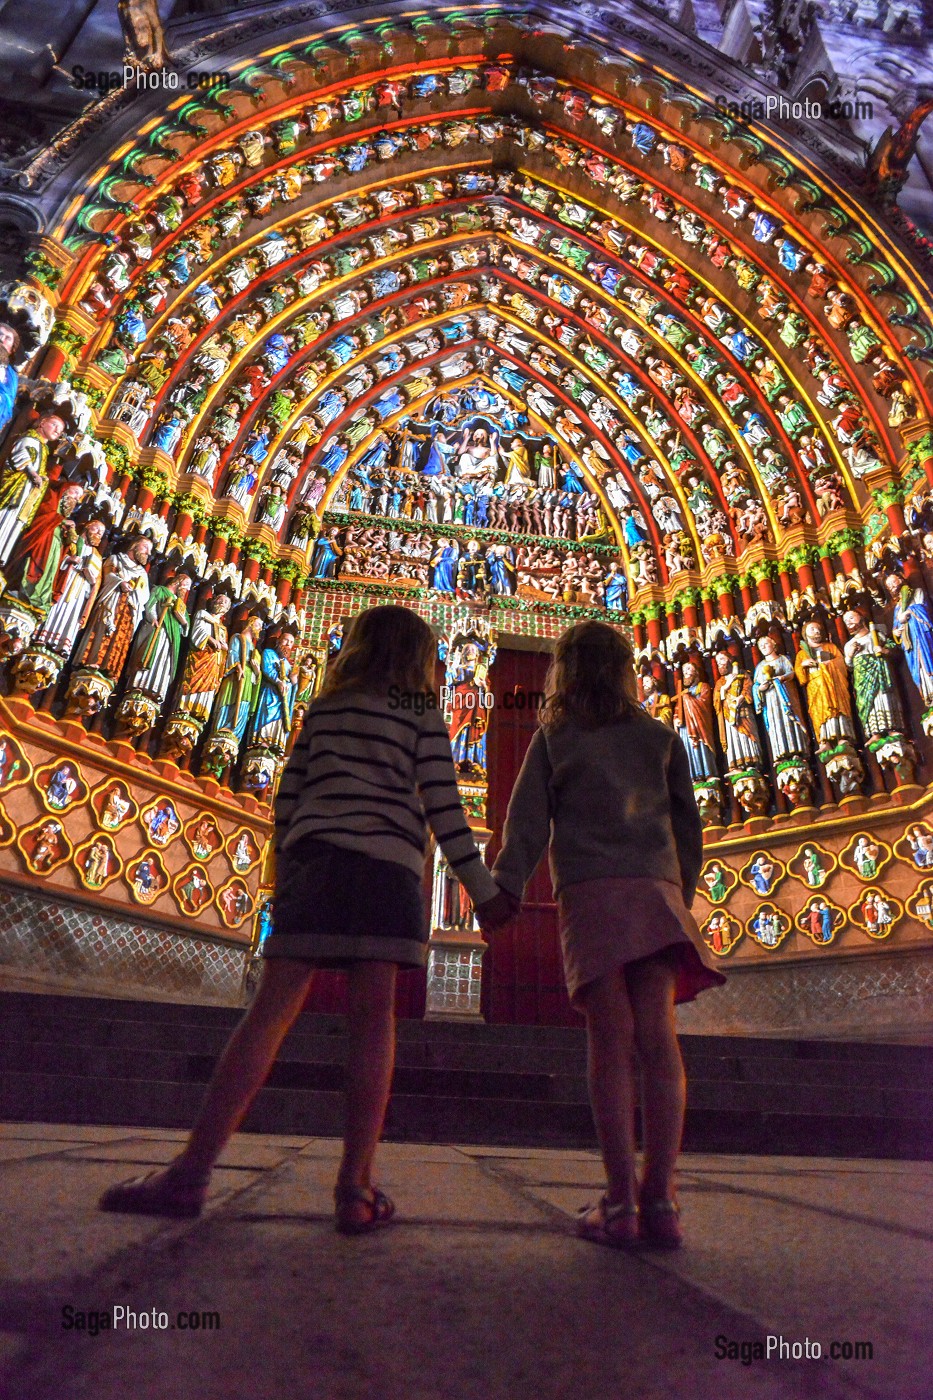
(592, 678)
(384, 647)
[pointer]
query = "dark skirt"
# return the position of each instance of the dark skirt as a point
(334, 907)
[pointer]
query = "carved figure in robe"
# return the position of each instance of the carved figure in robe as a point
(156, 652)
(23, 479)
(239, 687)
(206, 661)
(735, 710)
(118, 609)
(868, 654)
(777, 700)
(693, 721)
(821, 669)
(34, 563)
(655, 700)
(275, 709)
(912, 626)
(74, 591)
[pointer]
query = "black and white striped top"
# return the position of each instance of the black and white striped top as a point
(366, 777)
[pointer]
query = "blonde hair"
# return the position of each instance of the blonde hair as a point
(591, 681)
(384, 647)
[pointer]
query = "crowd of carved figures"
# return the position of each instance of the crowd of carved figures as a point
(471, 383)
(703, 439)
(773, 702)
(716, 465)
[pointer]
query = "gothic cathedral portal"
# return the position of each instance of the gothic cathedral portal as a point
(518, 317)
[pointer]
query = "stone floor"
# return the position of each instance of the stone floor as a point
(479, 1291)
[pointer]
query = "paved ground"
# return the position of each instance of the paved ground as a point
(480, 1291)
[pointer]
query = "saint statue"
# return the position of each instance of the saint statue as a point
(777, 700)
(821, 670)
(9, 379)
(467, 681)
(156, 653)
(274, 712)
(912, 626)
(735, 710)
(33, 566)
(239, 687)
(867, 653)
(23, 479)
(326, 555)
(118, 610)
(656, 701)
(206, 661)
(74, 591)
(693, 721)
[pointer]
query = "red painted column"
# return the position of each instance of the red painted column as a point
(53, 362)
(183, 522)
(805, 576)
(218, 549)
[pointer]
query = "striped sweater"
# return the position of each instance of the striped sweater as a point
(367, 777)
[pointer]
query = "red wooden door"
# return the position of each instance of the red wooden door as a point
(523, 981)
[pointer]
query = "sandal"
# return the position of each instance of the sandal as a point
(659, 1224)
(161, 1192)
(616, 1226)
(347, 1221)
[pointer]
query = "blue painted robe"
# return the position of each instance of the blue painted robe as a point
(444, 569)
(9, 384)
(273, 713)
(913, 628)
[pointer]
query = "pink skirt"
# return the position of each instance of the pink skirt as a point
(607, 923)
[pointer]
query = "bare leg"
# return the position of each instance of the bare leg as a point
(611, 1081)
(370, 1062)
(651, 984)
(244, 1065)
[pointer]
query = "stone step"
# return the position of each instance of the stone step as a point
(446, 1119)
(554, 1049)
(92, 1060)
(710, 1086)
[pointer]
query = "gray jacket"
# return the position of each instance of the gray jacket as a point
(613, 801)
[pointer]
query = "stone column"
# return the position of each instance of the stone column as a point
(456, 948)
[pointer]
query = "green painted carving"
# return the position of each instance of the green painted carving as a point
(116, 454)
(41, 270)
(850, 538)
(889, 495)
(187, 504)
